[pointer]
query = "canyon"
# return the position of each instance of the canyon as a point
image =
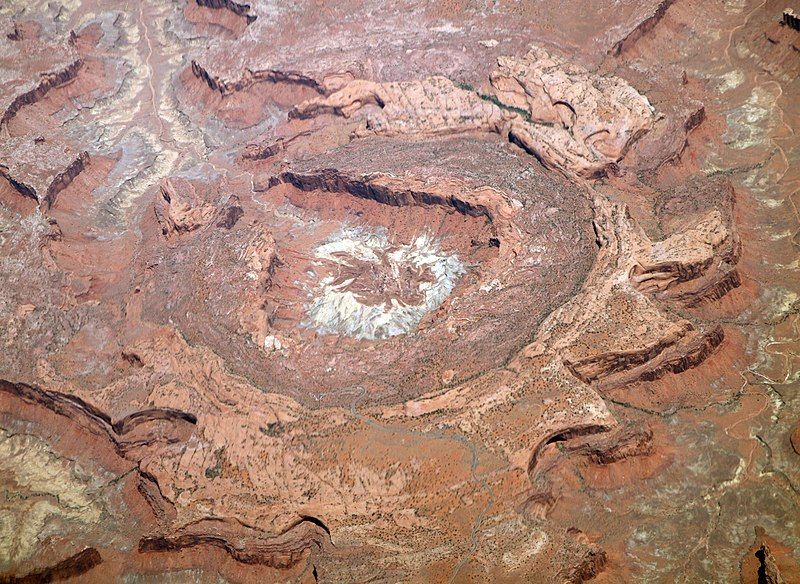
(399, 292)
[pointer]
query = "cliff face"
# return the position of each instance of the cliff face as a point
(40, 170)
(363, 291)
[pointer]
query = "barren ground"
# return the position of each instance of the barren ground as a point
(399, 291)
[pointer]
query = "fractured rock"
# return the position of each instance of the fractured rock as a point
(568, 118)
(40, 169)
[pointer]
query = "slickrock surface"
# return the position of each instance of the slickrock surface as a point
(567, 118)
(399, 292)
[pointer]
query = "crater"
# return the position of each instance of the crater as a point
(382, 264)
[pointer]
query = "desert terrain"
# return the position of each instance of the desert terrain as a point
(457, 291)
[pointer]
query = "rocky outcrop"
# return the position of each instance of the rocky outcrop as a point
(429, 106)
(63, 179)
(689, 352)
(597, 367)
(488, 202)
(40, 170)
(46, 82)
(582, 122)
(570, 119)
(245, 545)
(98, 422)
(264, 150)
(250, 78)
(768, 561)
(231, 214)
(768, 571)
(620, 443)
(147, 429)
(709, 289)
(261, 257)
(385, 190)
(593, 563)
(645, 26)
(72, 455)
(143, 417)
(238, 9)
(683, 256)
(565, 434)
(619, 334)
(16, 33)
(180, 209)
(696, 263)
(72, 567)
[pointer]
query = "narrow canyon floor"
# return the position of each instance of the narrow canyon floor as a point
(456, 291)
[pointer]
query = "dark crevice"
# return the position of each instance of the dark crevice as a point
(72, 567)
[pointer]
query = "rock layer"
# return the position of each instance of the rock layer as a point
(567, 117)
(373, 291)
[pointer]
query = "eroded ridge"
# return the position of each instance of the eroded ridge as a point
(251, 78)
(239, 9)
(366, 291)
(39, 169)
(29, 72)
(626, 336)
(122, 447)
(495, 206)
(568, 118)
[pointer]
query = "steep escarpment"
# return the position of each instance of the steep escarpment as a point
(572, 432)
(592, 564)
(645, 25)
(72, 567)
(251, 78)
(98, 422)
(41, 170)
(180, 209)
(768, 561)
(46, 82)
(493, 205)
(596, 367)
(131, 439)
(282, 551)
(622, 444)
(687, 255)
(239, 9)
(711, 273)
(368, 291)
(689, 353)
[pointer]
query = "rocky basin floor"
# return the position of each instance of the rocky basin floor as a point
(399, 292)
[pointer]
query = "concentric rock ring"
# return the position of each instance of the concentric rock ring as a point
(498, 261)
(282, 304)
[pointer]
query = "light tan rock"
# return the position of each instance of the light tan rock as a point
(570, 119)
(181, 209)
(680, 257)
(429, 106)
(587, 117)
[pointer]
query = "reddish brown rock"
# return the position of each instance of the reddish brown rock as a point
(768, 561)
(34, 64)
(368, 291)
(181, 210)
(39, 169)
(794, 438)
